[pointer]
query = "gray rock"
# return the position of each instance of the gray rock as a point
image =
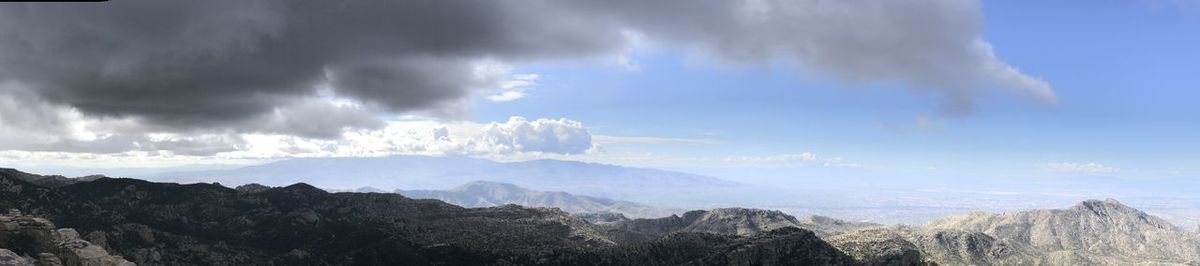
(877, 246)
(52, 246)
(9, 258)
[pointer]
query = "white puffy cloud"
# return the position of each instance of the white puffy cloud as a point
(542, 135)
(518, 135)
(1073, 167)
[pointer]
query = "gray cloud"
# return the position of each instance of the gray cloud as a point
(930, 45)
(255, 66)
(189, 64)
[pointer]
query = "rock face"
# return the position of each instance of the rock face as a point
(28, 240)
(9, 258)
(206, 224)
(490, 194)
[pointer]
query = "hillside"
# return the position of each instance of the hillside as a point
(207, 224)
(203, 224)
(1091, 232)
(737, 221)
(490, 194)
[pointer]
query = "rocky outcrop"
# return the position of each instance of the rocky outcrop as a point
(878, 246)
(34, 240)
(9, 258)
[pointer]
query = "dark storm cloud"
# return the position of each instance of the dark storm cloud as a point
(255, 66)
(213, 63)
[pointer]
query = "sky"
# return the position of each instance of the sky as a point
(739, 89)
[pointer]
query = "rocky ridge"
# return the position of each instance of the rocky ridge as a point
(1093, 232)
(737, 221)
(204, 224)
(29, 240)
(207, 224)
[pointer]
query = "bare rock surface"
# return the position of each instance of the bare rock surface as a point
(36, 241)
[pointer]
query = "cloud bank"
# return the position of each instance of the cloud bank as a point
(169, 75)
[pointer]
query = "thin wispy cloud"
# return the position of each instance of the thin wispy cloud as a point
(1077, 168)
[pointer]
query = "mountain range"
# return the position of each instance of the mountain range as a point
(439, 173)
(152, 223)
(490, 194)
(1093, 232)
(208, 224)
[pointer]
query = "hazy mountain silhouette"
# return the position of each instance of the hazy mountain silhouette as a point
(490, 194)
(436, 173)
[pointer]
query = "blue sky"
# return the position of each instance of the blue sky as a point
(739, 88)
(1124, 71)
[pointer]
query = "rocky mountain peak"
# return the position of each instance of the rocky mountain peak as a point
(748, 212)
(1105, 207)
(302, 188)
(727, 221)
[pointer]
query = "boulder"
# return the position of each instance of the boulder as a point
(9, 258)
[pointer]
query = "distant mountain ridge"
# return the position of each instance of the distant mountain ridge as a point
(479, 194)
(47, 180)
(436, 173)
